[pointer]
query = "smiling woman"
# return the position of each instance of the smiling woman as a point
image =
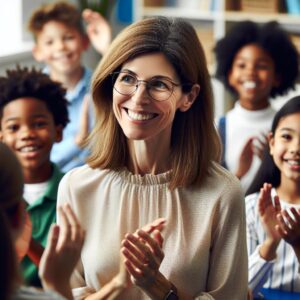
(153, 189)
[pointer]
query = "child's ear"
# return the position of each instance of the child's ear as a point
(189, 98)
(271, 142)
(59, 133)
(37, 54)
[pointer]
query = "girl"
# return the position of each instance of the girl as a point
(273, 211)
(154, 153)
(255, 62)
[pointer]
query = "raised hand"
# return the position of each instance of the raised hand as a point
(143, 253)
(98, 30)
(254, 146)
(268, 212)
(62, 252)
(289, 226)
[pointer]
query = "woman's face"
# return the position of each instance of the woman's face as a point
(285, 148)
(139, 115)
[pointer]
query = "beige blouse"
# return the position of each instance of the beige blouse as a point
(204, 238)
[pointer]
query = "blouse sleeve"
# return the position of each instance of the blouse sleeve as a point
(259, 269)
(78, 284)
(227, 277)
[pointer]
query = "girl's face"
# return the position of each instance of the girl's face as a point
(140, 116)
(253, 76)
(285, 147)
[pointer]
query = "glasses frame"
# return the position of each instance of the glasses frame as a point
(114, 76)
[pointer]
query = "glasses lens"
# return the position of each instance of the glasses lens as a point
(124, 83)
(160, 89)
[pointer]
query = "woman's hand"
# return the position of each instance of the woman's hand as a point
(143, 253)
(62, 252)
(268, 217)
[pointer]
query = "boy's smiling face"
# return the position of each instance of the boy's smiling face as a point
(28, 128)
(60, 47)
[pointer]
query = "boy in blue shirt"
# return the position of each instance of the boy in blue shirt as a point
(60, 41)
(33, 113)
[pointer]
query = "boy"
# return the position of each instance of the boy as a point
(33, 113)
(59, 43)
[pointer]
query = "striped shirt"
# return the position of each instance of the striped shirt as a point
(280, 273)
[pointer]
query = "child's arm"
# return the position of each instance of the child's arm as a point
(98, 30)
(290, 230)
(62, 252)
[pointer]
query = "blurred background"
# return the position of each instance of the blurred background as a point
(211, 18)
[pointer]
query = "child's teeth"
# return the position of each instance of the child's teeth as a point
(249, 84)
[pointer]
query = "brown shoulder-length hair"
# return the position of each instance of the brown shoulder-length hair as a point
(194, 142)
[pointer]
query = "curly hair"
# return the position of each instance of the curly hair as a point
(23, 83)
(270, 37)
(63, 12)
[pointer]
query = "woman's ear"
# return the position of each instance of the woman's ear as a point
(271, 142)
(189, 98)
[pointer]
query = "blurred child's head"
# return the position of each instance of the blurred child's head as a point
(282, 158)
(257, 62)
(59, 37)
(33, 113)
(12, 214)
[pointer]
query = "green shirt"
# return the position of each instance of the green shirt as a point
(42, 214)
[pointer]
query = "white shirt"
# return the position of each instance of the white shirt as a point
(241, 124)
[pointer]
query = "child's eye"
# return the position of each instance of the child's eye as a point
(39, 124)
(12, 127)
(49, 43)
(286, 137)
(69, 37)
(263, 67)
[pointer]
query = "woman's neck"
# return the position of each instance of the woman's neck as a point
(149, 157)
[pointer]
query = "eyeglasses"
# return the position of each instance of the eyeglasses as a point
(158, 88)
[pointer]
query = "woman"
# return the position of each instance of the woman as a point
(153, 155)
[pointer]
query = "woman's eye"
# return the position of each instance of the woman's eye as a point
(128, 79)
(159, 84)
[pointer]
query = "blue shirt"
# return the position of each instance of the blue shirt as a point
(66, 154)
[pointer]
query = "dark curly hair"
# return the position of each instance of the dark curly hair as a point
(270, 37)
(61, 11)
(23, 82)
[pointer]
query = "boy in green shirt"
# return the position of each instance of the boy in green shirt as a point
(33, 113)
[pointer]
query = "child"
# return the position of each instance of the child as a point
(273, 214)
(64, 243)
(59, 43)
(33, 112)
(255, 63)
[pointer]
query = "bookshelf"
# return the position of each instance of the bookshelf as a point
(212, 18)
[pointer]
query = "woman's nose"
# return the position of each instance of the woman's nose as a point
(141, 94)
